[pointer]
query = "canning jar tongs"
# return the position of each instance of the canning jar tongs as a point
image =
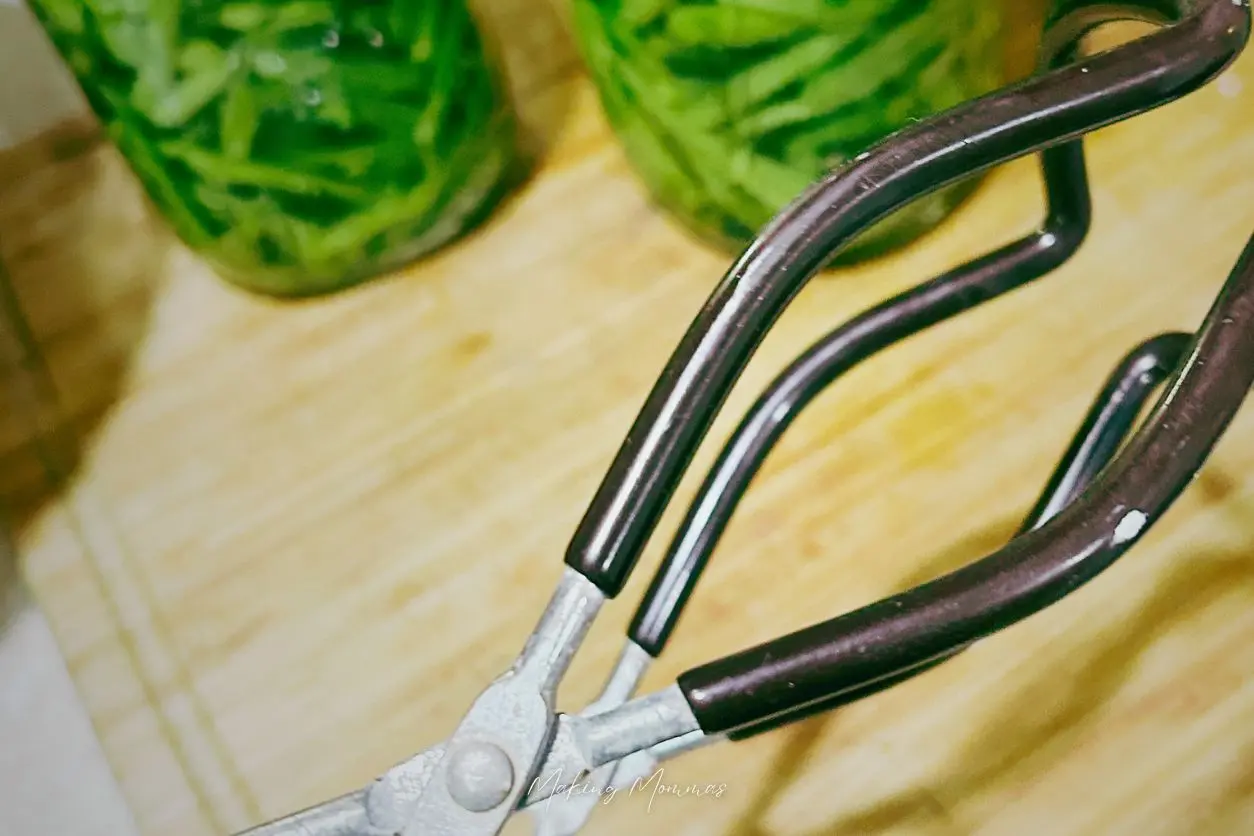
(512, 749)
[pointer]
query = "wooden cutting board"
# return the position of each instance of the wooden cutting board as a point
(297, 539)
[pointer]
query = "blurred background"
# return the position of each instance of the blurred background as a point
(56, 776)
(295, 429)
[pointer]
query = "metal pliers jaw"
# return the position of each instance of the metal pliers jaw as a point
(513, 750)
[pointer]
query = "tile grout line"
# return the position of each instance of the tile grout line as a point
(40, 397)
(208, 766)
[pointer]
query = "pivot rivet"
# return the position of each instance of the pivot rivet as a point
(480, 776)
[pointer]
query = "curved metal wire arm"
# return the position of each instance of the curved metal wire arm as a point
(1105, 427)
(1050, 112)
(1038, 114)
(865, 651)
(872, 648)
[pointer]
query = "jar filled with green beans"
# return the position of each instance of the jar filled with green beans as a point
(729, 109)
(299, 146)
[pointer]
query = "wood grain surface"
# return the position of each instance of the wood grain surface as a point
(284, 545)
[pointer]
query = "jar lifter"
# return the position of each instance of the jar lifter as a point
(513, 750)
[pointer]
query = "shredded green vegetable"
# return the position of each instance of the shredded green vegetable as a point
(729, 109)
(299, 145)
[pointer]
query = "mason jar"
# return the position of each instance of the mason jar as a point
(298, 146)
(728, 109)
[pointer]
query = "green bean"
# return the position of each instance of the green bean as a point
(863, 74)
(64, 17)
(646, 76)
(642, 12)
(215, 168)
(854, 15)
(419, 25)
(245, 17)
(170, 104)
(239, 121)
(353, 233)
(758, 83)
(147, 164)
(728, 25)
(730, 108)
(376, 77)
(129, 38)
(300, 145)
(348, 161)
(445, 66)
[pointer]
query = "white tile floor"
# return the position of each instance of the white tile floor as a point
(37, 91)
(54, 780)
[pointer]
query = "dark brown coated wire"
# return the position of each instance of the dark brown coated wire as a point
(1048, 114)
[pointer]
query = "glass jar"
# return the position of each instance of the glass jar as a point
(729, 109)
(299, 146)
